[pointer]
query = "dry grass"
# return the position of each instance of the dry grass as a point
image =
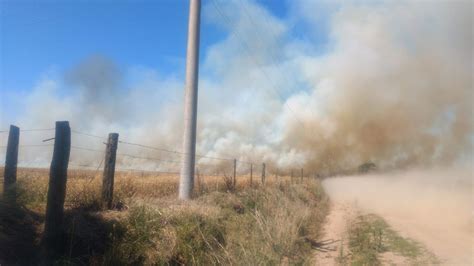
(83, 186)
(258, 224)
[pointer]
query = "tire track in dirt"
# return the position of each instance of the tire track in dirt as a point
(433, 208)
(333, 239)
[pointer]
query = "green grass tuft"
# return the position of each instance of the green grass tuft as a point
(370, 235)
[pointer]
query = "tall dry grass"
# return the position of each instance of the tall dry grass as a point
(249, 224)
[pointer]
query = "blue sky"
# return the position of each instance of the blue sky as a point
(39, 37)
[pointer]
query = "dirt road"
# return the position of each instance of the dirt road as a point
(431, 207)
(334, 234)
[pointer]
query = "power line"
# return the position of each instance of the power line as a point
(275, 35)
(247, 48)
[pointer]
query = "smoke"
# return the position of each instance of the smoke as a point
(391, 84)
(396, 89)
(98, 83)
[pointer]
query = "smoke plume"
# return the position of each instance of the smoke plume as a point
(391, 84)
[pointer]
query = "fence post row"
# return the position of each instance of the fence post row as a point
(263, 173)
(11, 162)
(53, 227)
(109, 170)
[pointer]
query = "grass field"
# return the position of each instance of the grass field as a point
(267, 224)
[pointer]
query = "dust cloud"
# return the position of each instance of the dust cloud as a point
(433, 206)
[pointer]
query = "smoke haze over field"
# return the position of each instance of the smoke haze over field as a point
(392, 85)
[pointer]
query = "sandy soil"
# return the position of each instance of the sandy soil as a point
(334, 234)
(334, 244)
(434, 209)
(451, 247)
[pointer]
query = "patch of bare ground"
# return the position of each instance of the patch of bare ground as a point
(334, 238)
(353, 237)
(431, 207)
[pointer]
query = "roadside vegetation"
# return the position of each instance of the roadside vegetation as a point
(371, 241)
(272, 224)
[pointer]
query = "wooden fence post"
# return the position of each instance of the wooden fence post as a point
(263, 173)
(53, 226)
(109, 170)
(198, 182)
(251, 173)
(301, 175)
(11, 162)
(234, 181)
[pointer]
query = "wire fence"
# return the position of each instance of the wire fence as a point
(89, 156)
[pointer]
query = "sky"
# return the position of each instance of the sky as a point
(47, 38)
(39, 37)
(327, 85)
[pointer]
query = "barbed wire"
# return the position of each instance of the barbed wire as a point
(147, 158)
(32, 145)
(149, 147)
(73, 147)
(81, 165)
(146, 171)
(37, 129)
(173, 151)
(87, 134)
(86, 149)
(30, 130)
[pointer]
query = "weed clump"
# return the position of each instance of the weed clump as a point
(370, 236)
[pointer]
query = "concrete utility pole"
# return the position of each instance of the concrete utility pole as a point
(186, 182)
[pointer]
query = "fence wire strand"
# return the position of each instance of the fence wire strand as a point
(197, 164)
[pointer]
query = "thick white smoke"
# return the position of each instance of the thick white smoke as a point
(392, 84)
